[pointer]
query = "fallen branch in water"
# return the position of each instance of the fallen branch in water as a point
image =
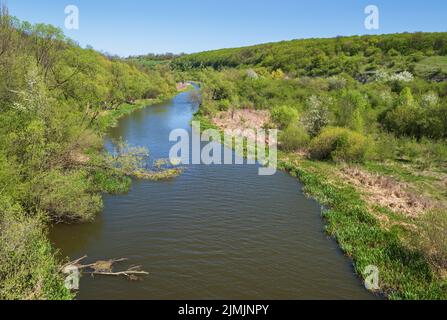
(74, 263)
(103, 267)
(132, 273)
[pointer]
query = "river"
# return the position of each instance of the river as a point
(215, 232)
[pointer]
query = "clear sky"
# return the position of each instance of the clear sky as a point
(127, 27)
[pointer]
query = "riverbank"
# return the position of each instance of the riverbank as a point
(382, 225)
(110, 118)
(404, 271)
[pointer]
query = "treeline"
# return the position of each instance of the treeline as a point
(152, 60)
(53, 94)
(356, 56)
(157, 56)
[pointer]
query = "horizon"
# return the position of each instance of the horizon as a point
(151, 29)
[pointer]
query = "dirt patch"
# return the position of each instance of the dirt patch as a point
(181, 86)
(245, 119)
(387, 192)
(78, 158)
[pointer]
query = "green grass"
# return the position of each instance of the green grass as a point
(404, 273)
(422, 184)
(205, 122)
(398, 171)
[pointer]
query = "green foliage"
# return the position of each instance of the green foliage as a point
(385, 147)
(349, 114)
(127, 159)
(413, 119)
(432, 68)
(111, 182)
(67, 196)
(54, 97)
(293, 138)
(284, 116)
(151, 61)
(28, 267)
(317, 116)
(435, 238)
(404, 272)
(339, 144)
(325, 57)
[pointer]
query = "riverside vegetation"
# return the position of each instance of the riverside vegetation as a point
(363, 125)
(56, 100)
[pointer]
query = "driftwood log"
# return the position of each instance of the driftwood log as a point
(103, 268)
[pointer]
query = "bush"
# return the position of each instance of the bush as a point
(111, 182)
(294, 138)
(385, 147)
(283, 116)
(410, 149)
(350, 111)
(339, 144)
(28, 267)
(223, 105)
(67, 197)
(317, 116)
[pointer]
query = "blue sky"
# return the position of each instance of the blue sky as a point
(127, 27)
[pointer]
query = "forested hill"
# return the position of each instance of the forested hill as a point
(325, 57)
(53, 95)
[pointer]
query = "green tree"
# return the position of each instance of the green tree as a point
(284, 116)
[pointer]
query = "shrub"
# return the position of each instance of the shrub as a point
(283, 116)
(223, 105)
(352, 106)
(67, 197)
(436, 150)
(317, 116)
(410, 149)
(336, 83)
(385, 147)
(28, 267)
(294, 138)
(110, 182)
(339, 144)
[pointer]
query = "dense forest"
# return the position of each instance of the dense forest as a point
(372, 84)
(356, 56)
(363, 124)
(56, 99)
(152, 60)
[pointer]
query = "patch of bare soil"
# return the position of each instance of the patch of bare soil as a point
(244, 120)
(182, 86)
(78, 158)
(387, 192)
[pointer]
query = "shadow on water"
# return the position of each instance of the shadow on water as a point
(216, 232)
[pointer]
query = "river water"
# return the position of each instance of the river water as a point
(215, 232)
